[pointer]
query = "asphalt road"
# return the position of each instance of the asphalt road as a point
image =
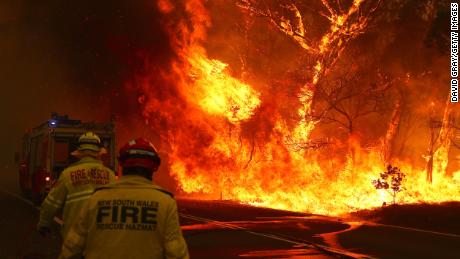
(218, 229)
(232, 237)
(18, 236)
(327, 236)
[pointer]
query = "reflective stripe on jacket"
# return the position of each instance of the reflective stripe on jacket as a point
(74, 186)
(131, 218)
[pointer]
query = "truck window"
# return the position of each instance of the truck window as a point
(43, 152)
(37, 157)
(61, 152)
(33, 155)
(64, 145)
(61, 157)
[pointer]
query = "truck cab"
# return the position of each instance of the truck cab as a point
(46, 149)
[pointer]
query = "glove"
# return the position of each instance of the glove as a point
(44, 231)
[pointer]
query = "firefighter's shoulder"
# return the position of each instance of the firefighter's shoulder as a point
(70, 168)
(105, 187)
(158, 188)
(74, 165)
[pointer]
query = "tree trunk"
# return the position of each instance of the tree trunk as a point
(429, 164)
(391, 133)
(429, 169)
(440, 143)
(444, 140)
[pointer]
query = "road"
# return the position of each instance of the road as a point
(218, 229)
(232, 230)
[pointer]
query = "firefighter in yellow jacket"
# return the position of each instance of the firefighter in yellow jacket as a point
(131, 218)
(75, 184)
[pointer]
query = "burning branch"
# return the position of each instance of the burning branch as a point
(224, 136)
(344, 26)
(312, 144)
(344, 100)
(293, 28)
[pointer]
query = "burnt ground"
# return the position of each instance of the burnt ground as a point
(442, 217)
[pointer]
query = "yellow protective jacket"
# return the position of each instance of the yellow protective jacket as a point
(131, 218)
(74, 186)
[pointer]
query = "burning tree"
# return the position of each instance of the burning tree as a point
(345, 24)
(390, 180)
(441, 135)
(350, 96)
(286, 104)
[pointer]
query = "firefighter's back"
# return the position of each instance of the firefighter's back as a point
(131, 219)
(76, 184)
(81, 179)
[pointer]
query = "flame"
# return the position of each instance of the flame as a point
(214, 126)
(218, 93)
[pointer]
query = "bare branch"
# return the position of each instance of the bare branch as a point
(282, 23)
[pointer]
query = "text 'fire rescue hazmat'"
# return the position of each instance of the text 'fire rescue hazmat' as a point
(130, 218)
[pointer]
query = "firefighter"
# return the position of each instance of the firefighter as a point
(132, 218)
(75, 184)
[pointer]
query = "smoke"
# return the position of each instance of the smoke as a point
(74, 58)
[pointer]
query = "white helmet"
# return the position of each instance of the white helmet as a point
(89, 141)
(89, 144)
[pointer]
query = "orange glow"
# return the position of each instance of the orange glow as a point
(212, 153)
(165, 6)
(218, 93)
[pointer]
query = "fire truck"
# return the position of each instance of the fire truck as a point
(46, 149)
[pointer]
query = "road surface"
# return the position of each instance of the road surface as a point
(219, 229)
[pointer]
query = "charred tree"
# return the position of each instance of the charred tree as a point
(345, 24)
(391, 132)
(441, 133)
(349, 97)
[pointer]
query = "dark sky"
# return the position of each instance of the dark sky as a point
(73, 57)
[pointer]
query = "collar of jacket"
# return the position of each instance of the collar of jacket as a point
(137, 182)
(135, 179)
(89, 159)
(86, 159)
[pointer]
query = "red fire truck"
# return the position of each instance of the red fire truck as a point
(46, 152)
